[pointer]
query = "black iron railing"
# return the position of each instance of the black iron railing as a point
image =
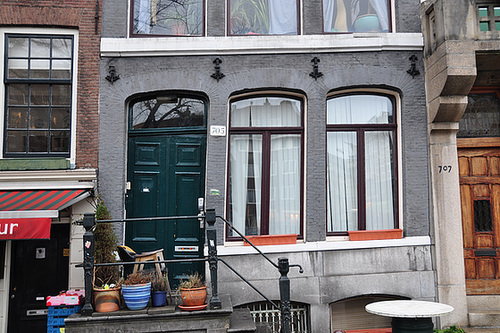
(207, 218)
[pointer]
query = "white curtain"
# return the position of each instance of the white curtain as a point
(283, 17)
(284, 201)
(380, 7)
(143, 15)
(239, 179)
(342, 181)
(328, 15)
(342, 164)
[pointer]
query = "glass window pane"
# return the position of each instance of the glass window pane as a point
(39, 118)
(18, 94)
(61, 48)
(61, 69)
(484, 26)
(60, 118)
(38, 141)
(18, 47)
(16, 141)
(342, 181)
(18, 118)
(379, 180)
(355, 16)
(497, 25)
(40, 69)
(266, 112)
(482, 11)
(284, 193)
(245, 181)
(40, 48)
(40, 94)
(262, 17)
(17, 69)
(496, 11)
(168, 17)
(360, 109)
(59, 141)
(61, 94)
(168, 111)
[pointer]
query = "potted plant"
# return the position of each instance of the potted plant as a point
(193, 293)
(159, 287)
(136, 290)
(107, 279)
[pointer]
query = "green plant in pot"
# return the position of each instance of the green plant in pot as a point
(159, 287)
(107, 279)
(193, 293)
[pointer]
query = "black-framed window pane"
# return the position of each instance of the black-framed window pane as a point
(40, 69)
(356, 16)
(39, 94)
(359, 109)
(168, 111)
(342, 179)
(168, 17)
(60, 118)
(266, 112)
(16, 141)
(18, 47)
(379, 180)
(18, 94)
(263, 17)
(40, 48)
(61, 69)
(38, 142)
(62, 48)
(61, 94)
(17, 117)
(245, 181)
(284, 187)
(39, 118)
(59, 141)
(17, 69)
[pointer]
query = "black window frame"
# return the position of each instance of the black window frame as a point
(360, 130)
(34, 81)
(266, 133)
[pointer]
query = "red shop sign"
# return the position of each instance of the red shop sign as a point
(30, 228)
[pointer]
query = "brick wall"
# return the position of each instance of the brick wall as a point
(73, 14)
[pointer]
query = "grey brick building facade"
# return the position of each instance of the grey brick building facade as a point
(335, 268)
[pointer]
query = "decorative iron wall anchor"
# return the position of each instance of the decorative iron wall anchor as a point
(112, 77)
(413, 71)
(218, 74)
(315, 73)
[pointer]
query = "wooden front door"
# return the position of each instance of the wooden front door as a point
(479, 163)
(166, 174)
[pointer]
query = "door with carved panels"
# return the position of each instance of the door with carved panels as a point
(480, 201)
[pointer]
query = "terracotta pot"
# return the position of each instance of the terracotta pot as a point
(107, 300)
(194, 296)
(272, 239)
(361, 235)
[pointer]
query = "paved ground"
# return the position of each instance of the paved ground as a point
(482, 330)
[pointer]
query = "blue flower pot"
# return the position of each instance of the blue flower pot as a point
(159, 298)
(136, 296)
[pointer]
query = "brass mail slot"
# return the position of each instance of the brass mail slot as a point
(186, 248)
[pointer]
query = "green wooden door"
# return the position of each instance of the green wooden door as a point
(167, 175)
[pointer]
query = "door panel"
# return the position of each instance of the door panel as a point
(480, 197)
(166, 174)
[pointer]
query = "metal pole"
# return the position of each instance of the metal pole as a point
(215, 302)
(88, 261)
(284, 268)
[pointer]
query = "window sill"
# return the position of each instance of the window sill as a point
(363, 235)
(331, 244)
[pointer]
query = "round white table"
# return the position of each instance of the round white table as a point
(410, 315)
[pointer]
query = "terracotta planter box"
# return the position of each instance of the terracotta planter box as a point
(272, 239)
(361, 235)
